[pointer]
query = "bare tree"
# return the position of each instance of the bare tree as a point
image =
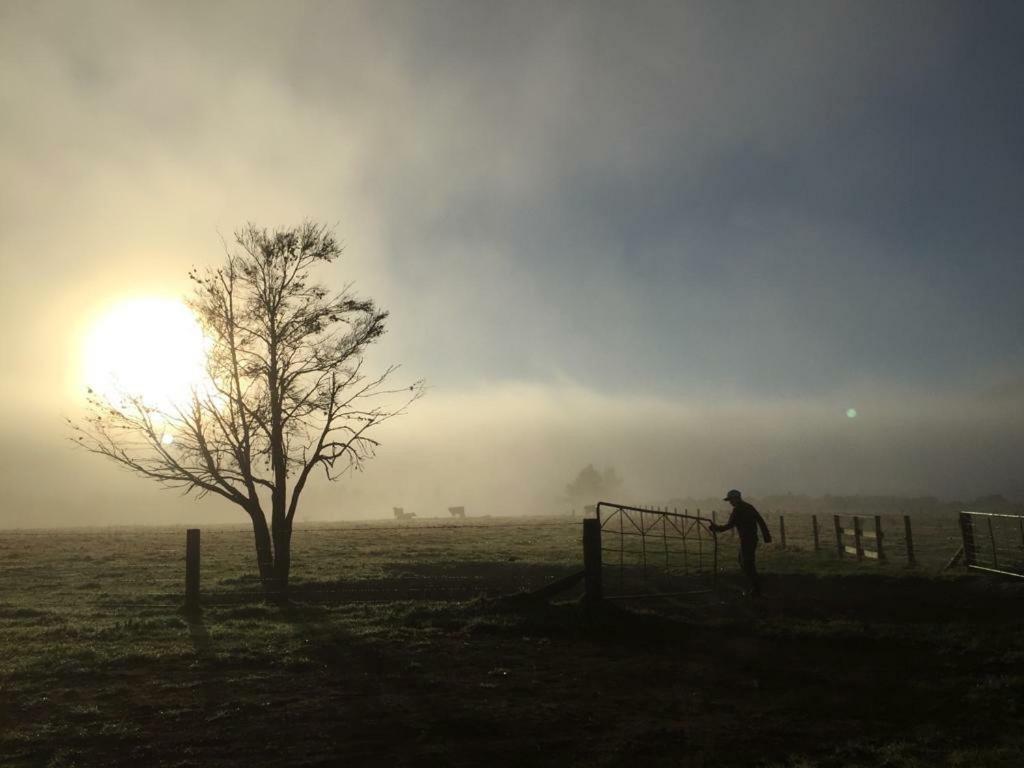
(287, 394)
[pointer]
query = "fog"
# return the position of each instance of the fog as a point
(679, 239)
(512, 449)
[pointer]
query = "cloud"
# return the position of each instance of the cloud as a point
(623, 226)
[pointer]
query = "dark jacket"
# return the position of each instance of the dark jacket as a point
(746, 520)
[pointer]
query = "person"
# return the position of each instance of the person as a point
(746, 520)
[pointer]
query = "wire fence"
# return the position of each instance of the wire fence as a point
(145, 567)
(932, 539)
(90, 570)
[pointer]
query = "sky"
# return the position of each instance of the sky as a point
(680, 239)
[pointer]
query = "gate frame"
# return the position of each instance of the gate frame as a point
(970, 549)
(592, 550)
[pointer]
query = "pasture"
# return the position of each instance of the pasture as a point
(401, 647)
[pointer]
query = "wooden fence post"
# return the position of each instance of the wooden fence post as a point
(967, 534)
(592, 559)
(814, 531)
(682, 535)
(910, 540)
(782, 530)
(192, 569)
(878, 538)
(858, 544)
(839, 535)
(700, 545)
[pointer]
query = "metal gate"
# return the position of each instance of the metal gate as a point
(993, 542)
(633, 552)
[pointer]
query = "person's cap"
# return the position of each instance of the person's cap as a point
(733, 494)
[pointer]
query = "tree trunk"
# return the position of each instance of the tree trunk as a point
(264, 553)
(282, 553)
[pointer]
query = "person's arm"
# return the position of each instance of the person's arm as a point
(765, 534)
(730, 523)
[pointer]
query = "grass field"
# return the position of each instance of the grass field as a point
(398, 649)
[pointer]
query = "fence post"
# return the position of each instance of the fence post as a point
(857, 543)
(700, 545)
(782, 530)
(967, 534)
(839, 535)
(592, 559)
(814, 530)
(643, 542)
(192, 569)
(910, 540)
(878, 539)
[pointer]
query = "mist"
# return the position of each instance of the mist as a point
(512, 449)
(680, 240)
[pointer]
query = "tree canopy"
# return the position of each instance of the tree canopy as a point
(286, 392)
(592, 485)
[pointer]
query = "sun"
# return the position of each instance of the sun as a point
(147, 347)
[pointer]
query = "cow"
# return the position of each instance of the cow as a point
(401, 514)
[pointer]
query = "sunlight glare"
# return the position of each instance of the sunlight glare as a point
(150, 347)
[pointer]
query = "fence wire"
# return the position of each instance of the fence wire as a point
(87, 570)
(644, 550)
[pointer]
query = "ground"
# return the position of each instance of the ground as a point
(411, 655)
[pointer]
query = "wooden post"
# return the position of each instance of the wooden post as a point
(622, 548)
(967, 534)
(839, 535)
(192, 569)
(643, 542)
(664, 539)
(910, 540)
(700, 545)
(814, 531)
(592, 559)
(878, 538)
(858, 544)
(782, 530)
